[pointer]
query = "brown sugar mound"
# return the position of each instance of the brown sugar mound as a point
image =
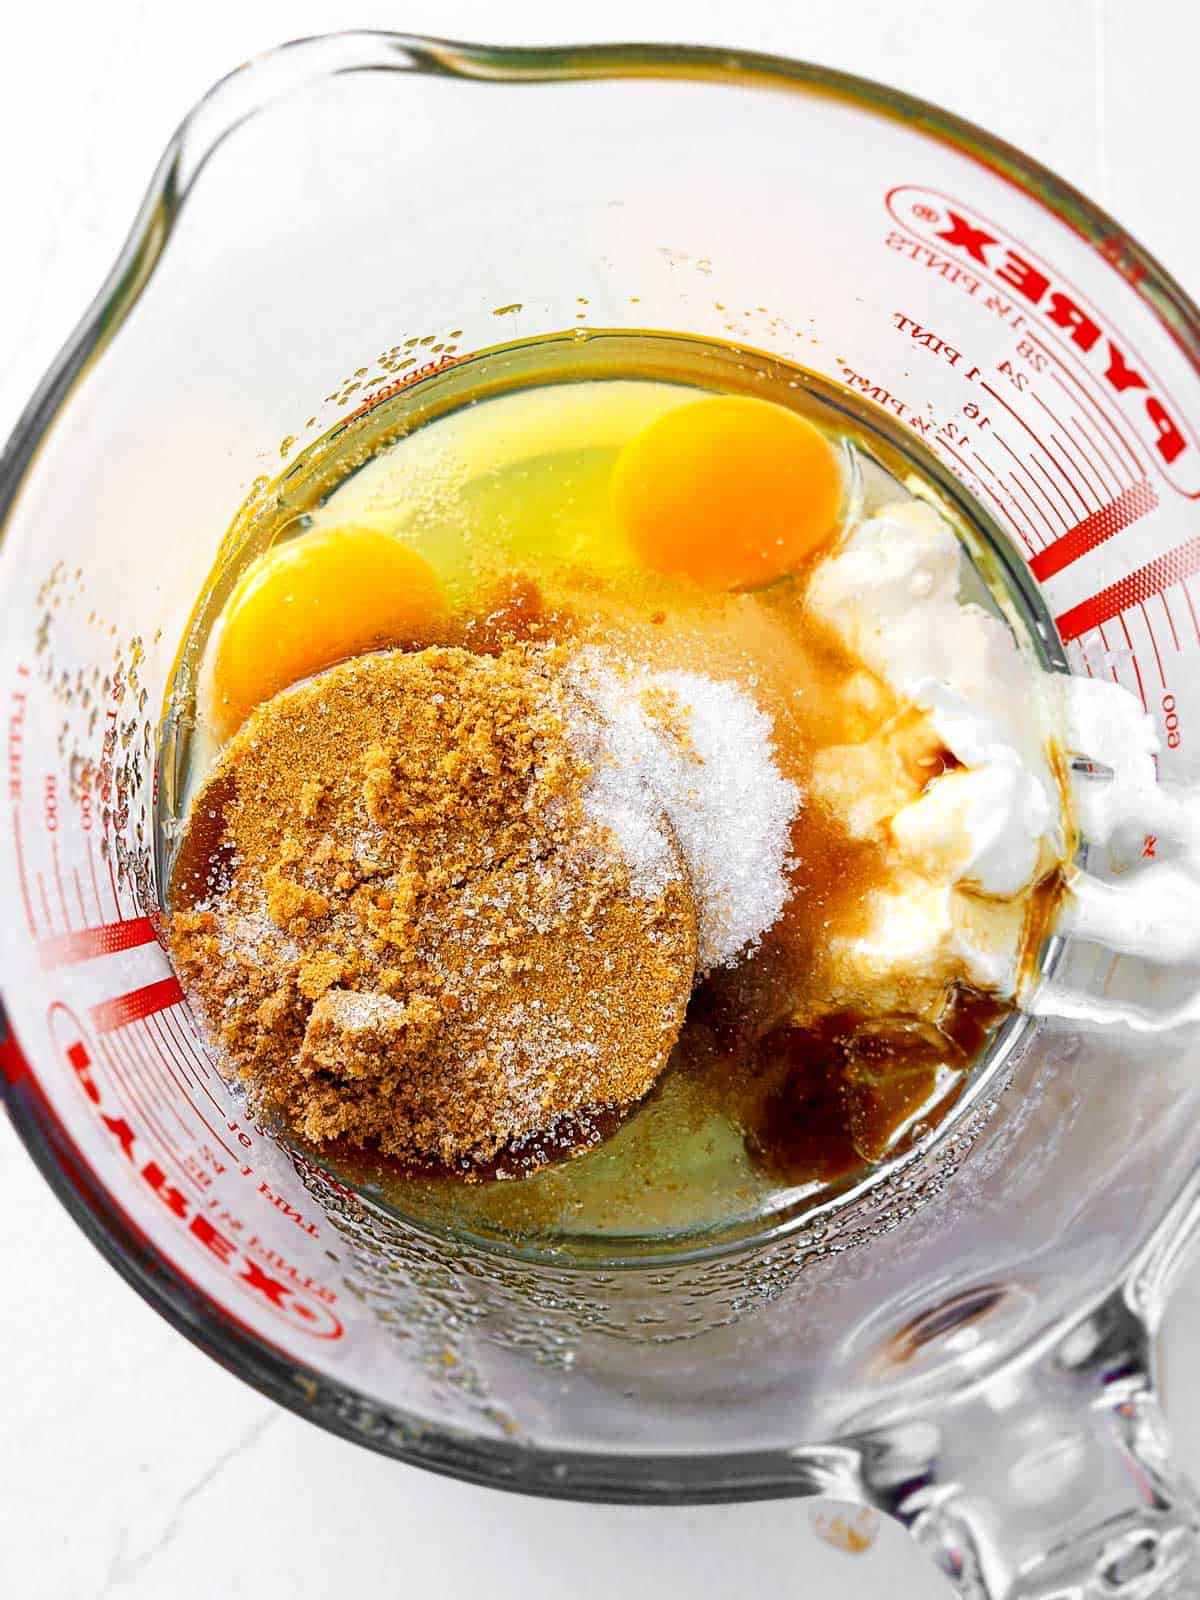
(400, 924)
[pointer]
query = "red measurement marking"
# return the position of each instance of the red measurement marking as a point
(1112, 671)
(167, 1094)
(91, 851)
(1095, 409)
(84, 1178)
(139, 1045)
(106, 940)
(179, 1052)
(1021, 467)
(162, 1045)
(1187, 595)
(21, 878)
(1100, 464)
(1004, 496)
(191, 1048)
(150, 1102)
(62, 899)
(1087, 474)
(1150, 845)
(1040, 442)
(1079, 656)
(1163, 573)
(1062, 445)
(133, 1102)
(1162, 678)
(1036, 509)
(1130, 505)
(1070, 510)
(79, 894)
(41, 883)
(1137, 671)
(992, 495)
(135, 1005)
(1170, 621)
(169, 1048)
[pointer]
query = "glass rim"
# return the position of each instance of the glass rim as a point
(255, 87)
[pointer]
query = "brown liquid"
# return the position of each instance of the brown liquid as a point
(821, 1101)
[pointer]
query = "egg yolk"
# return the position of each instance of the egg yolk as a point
(311, 602)
(731, 492)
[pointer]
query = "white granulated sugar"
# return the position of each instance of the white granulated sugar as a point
(619, 795)
(727, 804)
(355, 1010)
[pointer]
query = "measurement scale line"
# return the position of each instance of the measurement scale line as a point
(1099, 440)
(1076, 653)
(1095, 409)
(41, 883)
(1065, 524)
(163, 1047)
(1017, 484)
(1162, 677)
(1052, 528)
(967, 468)
(86, 943)
(1187, 595)
(58, 883)
(1005, 497)
(152, 1079)
(79, 895)
(1176, 566)
(1170, 621)
(171, 1045)
(191, 1046)
(176, 1149)
(169, 1049)
(1021, 467)
(1041, 444)
(971, 473)
(91, 851)
(21, 878)
(152, 1055)
(1087, 473)
(1062, 445)
(120, 1069)
(173, 1048)
(116, 1065)
(1102, 467)
(1129, 506)
(1112, 670)
(1137, 671)
(152, 1098)
(125, 1008)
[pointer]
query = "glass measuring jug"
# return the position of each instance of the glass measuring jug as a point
(963, 1340)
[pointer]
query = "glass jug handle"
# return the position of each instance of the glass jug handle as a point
(1052, 1480)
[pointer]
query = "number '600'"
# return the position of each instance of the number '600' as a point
(1171, 721)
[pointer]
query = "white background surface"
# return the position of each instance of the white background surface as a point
(130, 1465)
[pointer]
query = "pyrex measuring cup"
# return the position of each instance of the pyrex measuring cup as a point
(962, 1340)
